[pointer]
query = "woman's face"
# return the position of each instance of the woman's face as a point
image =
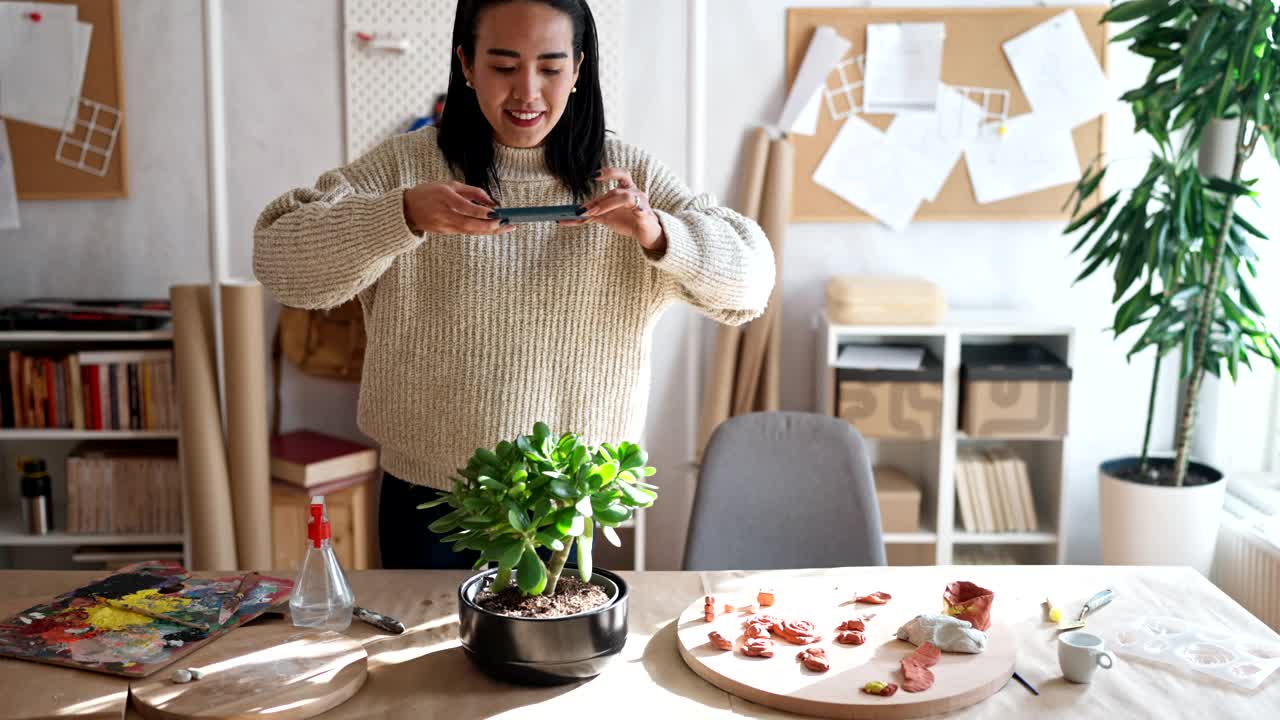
(523, 71)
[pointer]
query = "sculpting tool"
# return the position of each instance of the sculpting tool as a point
(231, 604)
(378, 620)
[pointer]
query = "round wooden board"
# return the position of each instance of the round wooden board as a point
(276, 671)
(781, 682)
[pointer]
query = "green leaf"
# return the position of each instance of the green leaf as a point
(488, 457)
(540, 431)
(512, 554)
(612, 536)
(550, 540)
(583, 506)
(492, 484)
(613, 514)
(637, 496)
(434, 503)
(519, 519)
(1230, 188)
(531, 574)
(562, 490)
(446, 523)
(605, 473)
(1133, 10)
(567, 520)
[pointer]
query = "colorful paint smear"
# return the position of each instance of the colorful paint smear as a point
(76, 630)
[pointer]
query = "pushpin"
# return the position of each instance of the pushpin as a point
(364, 36)
(1003, 130)
(35, 17)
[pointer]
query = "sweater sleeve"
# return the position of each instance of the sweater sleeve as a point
(717, 260)
(320, 246)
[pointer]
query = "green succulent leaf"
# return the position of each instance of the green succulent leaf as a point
(531, 574)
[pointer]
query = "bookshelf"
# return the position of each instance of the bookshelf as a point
(54, 444)
(932, 461)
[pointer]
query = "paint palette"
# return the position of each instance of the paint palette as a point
(1240, 659)
(76, 630)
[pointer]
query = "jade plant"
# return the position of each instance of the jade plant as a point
(542, 491)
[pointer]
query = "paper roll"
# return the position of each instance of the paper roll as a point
(782, 163)
(248, 452)
(204, 458)
(717, 397)
(774, 215)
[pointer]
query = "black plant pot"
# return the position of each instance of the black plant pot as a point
(543, 651)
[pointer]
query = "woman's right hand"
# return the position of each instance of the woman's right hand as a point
(451, 208)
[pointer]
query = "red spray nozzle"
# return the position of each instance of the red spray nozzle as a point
(318, 529)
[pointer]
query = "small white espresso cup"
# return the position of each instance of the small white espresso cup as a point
(1080, 653)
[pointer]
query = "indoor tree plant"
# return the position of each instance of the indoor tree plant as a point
(1180, 251)
(526, 505)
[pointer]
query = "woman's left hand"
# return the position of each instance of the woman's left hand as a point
(624, 210)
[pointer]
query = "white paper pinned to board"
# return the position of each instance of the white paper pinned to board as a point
(1033, 154)
(1058, 71)
(8, 188)
(904, 67)
(800, 111)
(43, 62)
(872, 174)
(937, 138)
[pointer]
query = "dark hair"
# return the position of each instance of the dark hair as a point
(575, 146)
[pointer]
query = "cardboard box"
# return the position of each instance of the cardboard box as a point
(899, 499)
(1016, 390)
(884, 300)
(892, 404)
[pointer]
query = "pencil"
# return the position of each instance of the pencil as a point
(147, 613)
(228, 610)
(1025, 684)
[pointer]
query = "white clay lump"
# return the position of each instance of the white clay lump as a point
(946, 633)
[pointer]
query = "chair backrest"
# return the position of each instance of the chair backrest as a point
(784, 490)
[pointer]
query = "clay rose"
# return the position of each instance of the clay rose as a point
(967, 601)
(719, 641)
(796, 632)
(814, 659)
(757, 630)
(758, 647)
(851, 637)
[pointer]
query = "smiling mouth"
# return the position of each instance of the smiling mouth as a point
(522, 118)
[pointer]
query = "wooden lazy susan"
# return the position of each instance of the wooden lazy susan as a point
(782, 682)
(273, 671)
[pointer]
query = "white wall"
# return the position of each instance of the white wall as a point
(285, 127)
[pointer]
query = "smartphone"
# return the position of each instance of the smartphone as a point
(545, 213)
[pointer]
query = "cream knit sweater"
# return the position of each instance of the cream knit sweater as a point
(472, 339)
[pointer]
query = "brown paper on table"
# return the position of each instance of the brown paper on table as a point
(248, 451)
(758, 372)
(203, 452)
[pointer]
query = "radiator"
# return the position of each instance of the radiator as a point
(1247, 559)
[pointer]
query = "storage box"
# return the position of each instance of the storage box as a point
(1015, 390)
(899, 499)
(880, 300)
(892, 404)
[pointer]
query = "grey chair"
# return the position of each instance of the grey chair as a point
(784, 490)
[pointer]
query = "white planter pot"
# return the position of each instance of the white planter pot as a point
(1159, 525)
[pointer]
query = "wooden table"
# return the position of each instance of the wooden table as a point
(424, 674)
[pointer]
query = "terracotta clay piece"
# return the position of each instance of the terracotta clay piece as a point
(916, 675)
(883, 689)
(757, 630)
(765, 598)
(814, 659)
(728, 608)
(796, 632)
(758, 647)
(967, 601)
(851, 637)
(719, 641)
(709, 608)
(854, 624)
(875, 598)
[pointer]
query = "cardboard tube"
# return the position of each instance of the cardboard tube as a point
(774, 215)
(717, 397)
(782, 161)
(248, 452)
(204, 457)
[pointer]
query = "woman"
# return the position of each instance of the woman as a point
(477, 329)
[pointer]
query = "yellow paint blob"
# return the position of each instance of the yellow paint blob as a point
(108, 618)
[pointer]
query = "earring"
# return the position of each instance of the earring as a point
(575, 89)
(469, 84)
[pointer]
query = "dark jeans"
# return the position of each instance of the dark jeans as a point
(406, 542)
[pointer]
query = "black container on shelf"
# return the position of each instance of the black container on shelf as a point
(1013, 390)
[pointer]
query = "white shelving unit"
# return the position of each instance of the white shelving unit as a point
(12, 533)
(932, 461)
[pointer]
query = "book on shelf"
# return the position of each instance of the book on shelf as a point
(91, 390)
(311, 459)
(124, 487)
(993, 491)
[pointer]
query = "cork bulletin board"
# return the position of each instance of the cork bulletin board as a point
(972, 56)
(37, 174)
